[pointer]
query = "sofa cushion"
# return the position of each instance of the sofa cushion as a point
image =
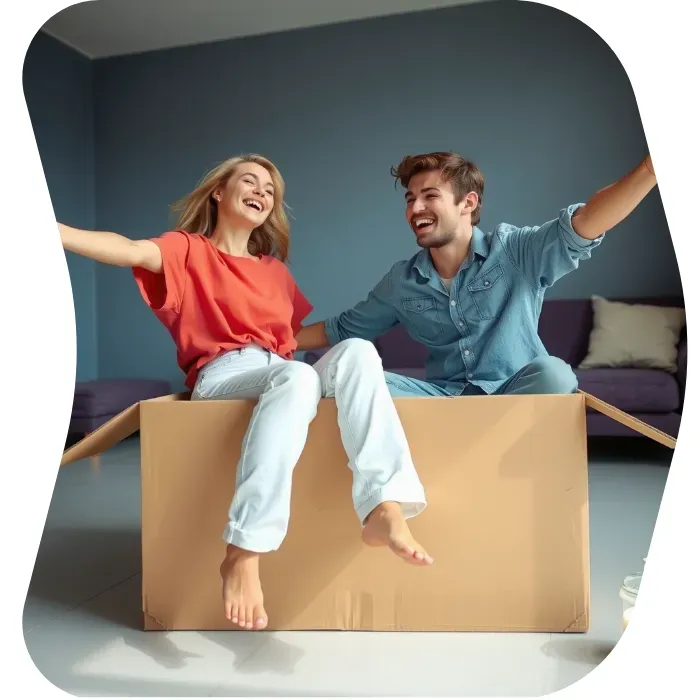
(634, 335)
(108, 397)
(632, 390)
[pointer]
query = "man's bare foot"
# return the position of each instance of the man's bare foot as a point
(386, 527)
(243, 596)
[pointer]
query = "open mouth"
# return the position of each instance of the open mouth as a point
(423, 224)
(253, 204)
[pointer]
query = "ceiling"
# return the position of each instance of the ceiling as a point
(103, 28)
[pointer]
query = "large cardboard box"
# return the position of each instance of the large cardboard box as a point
(507, 517)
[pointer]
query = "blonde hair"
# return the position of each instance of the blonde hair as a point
(198, 210)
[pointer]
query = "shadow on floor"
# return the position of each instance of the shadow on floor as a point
(621, 450)
(578, 649)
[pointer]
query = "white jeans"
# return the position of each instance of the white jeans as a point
(288, 393)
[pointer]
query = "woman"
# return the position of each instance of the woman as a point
(220, 286)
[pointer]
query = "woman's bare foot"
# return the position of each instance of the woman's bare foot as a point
(386, 527)
(243, 596)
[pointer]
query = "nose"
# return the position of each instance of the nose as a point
(416, 208)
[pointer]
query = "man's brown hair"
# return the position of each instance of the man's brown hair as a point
(462, 174)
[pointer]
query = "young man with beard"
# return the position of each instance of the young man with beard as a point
(474, 298)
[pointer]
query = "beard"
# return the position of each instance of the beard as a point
(436, 239)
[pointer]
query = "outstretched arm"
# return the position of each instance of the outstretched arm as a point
(609, 206)
(312, 337)
(111, 248)
(368, 319)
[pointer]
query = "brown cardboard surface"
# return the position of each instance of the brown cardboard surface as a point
(630, 421)
(507, 521)
(507, 518)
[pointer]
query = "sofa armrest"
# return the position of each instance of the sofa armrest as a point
(682, 364)
(311, 357)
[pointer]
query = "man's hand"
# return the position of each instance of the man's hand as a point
(650, 165)
(614, 203)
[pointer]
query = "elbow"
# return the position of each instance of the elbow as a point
(585, 226)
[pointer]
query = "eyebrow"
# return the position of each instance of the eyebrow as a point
(253, 175)
(425, 189)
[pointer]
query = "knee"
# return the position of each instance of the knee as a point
(553, 376)
(302, 378)
(357, 351)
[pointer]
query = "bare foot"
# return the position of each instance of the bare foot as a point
(386, 527)
(243, 596)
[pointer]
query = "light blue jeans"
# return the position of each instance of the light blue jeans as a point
(287, 395)
(546, 375)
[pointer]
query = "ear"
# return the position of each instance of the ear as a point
(470, 203)
(216, 194)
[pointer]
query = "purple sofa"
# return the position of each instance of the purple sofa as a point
(96, 402)
(653, 396)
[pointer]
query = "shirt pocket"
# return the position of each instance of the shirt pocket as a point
(422, 316)
(489, 292)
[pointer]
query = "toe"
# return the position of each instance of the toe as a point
(259, 617)
(233, 614)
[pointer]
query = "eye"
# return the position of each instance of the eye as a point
(272, 194)
(432, 196)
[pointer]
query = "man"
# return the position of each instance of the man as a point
(474, 298)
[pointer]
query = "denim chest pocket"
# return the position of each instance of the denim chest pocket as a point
(423, 317)
(489, 292)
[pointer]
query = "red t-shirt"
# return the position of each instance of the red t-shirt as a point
(212, 302)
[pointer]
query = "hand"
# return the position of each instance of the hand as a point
(649, 165)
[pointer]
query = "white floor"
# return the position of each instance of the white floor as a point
(82, 614)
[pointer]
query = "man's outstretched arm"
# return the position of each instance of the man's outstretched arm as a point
(368, 319)
(614, 203)
(312, 337)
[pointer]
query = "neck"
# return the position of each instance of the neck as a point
(449, 258)
(232, 239)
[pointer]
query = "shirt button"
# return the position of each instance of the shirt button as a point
(470, 375)
(453, 303)
(467, 353)
(460, 324)
(487, 284)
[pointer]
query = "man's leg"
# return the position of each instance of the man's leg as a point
(407, 387)
(544, 375)
(386, 489)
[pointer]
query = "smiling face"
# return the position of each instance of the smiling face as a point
(432, 212)
(248, 195)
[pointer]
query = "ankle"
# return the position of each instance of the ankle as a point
(388, 508)
(236, 554)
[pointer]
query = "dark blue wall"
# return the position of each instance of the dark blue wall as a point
(58, 90)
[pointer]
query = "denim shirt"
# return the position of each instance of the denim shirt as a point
(484, 329)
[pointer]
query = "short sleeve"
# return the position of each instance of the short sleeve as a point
(301, 308)
(163, 291)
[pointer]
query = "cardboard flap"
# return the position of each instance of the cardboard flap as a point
(113, 431)
(630, 421)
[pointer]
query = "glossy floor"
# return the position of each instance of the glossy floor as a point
(82, 614)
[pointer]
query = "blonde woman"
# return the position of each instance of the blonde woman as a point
(220, 286)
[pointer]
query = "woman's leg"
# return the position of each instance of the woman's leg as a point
(288, 394)
(386, 488)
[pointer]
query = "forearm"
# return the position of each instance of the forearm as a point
(110, 248)
(611, 205)
(312, 337)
